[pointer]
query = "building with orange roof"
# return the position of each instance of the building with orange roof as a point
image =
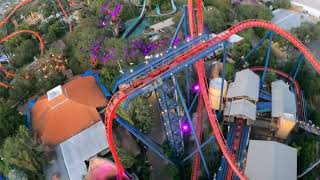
(67, 110)
(67, 118)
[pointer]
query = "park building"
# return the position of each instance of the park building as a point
(215, 86)
(268, 160)
(68, 122)
(284, 108)
(242, 97)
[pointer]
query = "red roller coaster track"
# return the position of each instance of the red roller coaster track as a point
(22, 3)
(25, 31)
(121, 95)
(4, 21)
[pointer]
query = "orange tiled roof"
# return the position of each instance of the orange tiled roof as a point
(69, 113)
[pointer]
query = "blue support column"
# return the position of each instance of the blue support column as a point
(304, 107)
(143, 138)
(225, 51)
(177, 30)
(194, 101)
(267, 60)
(212, 138)
(192, 129)
(188, 85)
(224, 164)
(254, 49)
(31, 103)
(297, 67)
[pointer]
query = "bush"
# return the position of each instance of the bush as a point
(23, 153)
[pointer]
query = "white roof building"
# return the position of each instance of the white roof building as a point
(288, 19)
(72, 153)
(268, 160)
(246, 85)
(283, 101)
(313, 7)
(233, 39)
(241, 108)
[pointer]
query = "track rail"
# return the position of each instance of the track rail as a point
(239, 122)
(5, 39)
(21, 4)
(64, 13)
(122, 95)
(196, 159)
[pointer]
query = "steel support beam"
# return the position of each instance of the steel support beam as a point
(297, 67)
(225, 51)
(254, 49)
(143, 138)
(192, 129)
(177, 30)
(309, 169)
(212, 138)
(267, 60)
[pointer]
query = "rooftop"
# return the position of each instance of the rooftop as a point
(283, 101)
(246, 84)
(271, 160)
(241, 108)
(288, 19)
(72, 153)
(69, 109)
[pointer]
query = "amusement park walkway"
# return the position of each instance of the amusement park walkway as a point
(158, 165)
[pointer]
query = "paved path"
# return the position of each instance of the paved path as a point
(158, 170)
(312, 6)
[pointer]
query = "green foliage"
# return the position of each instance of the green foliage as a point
(23, 89)
(23, 153)
(285, 4)
(229, 71)
(126, 158)
(238, 51)
(129, 11)
(270, 77)
(245, 12)
(214, 20)
(25, 52)
(45, 84)
(218, 16)
(78, 44)
(108, 73)
(142, 114)
(55, 31)
(173, 171)
(10, 120)
(306, 155)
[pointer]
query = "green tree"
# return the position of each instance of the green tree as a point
(142, 114)
(126, 158)
(22, 152)
(55, 31)
(230, 71)
(218, 16)
(285, 4)
(108, 74)
(10, 120)
(129, 11)
(25, 52)
(270, 77)
(245, 12)
(306, 155)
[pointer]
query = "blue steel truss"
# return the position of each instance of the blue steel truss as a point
(170, 116)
